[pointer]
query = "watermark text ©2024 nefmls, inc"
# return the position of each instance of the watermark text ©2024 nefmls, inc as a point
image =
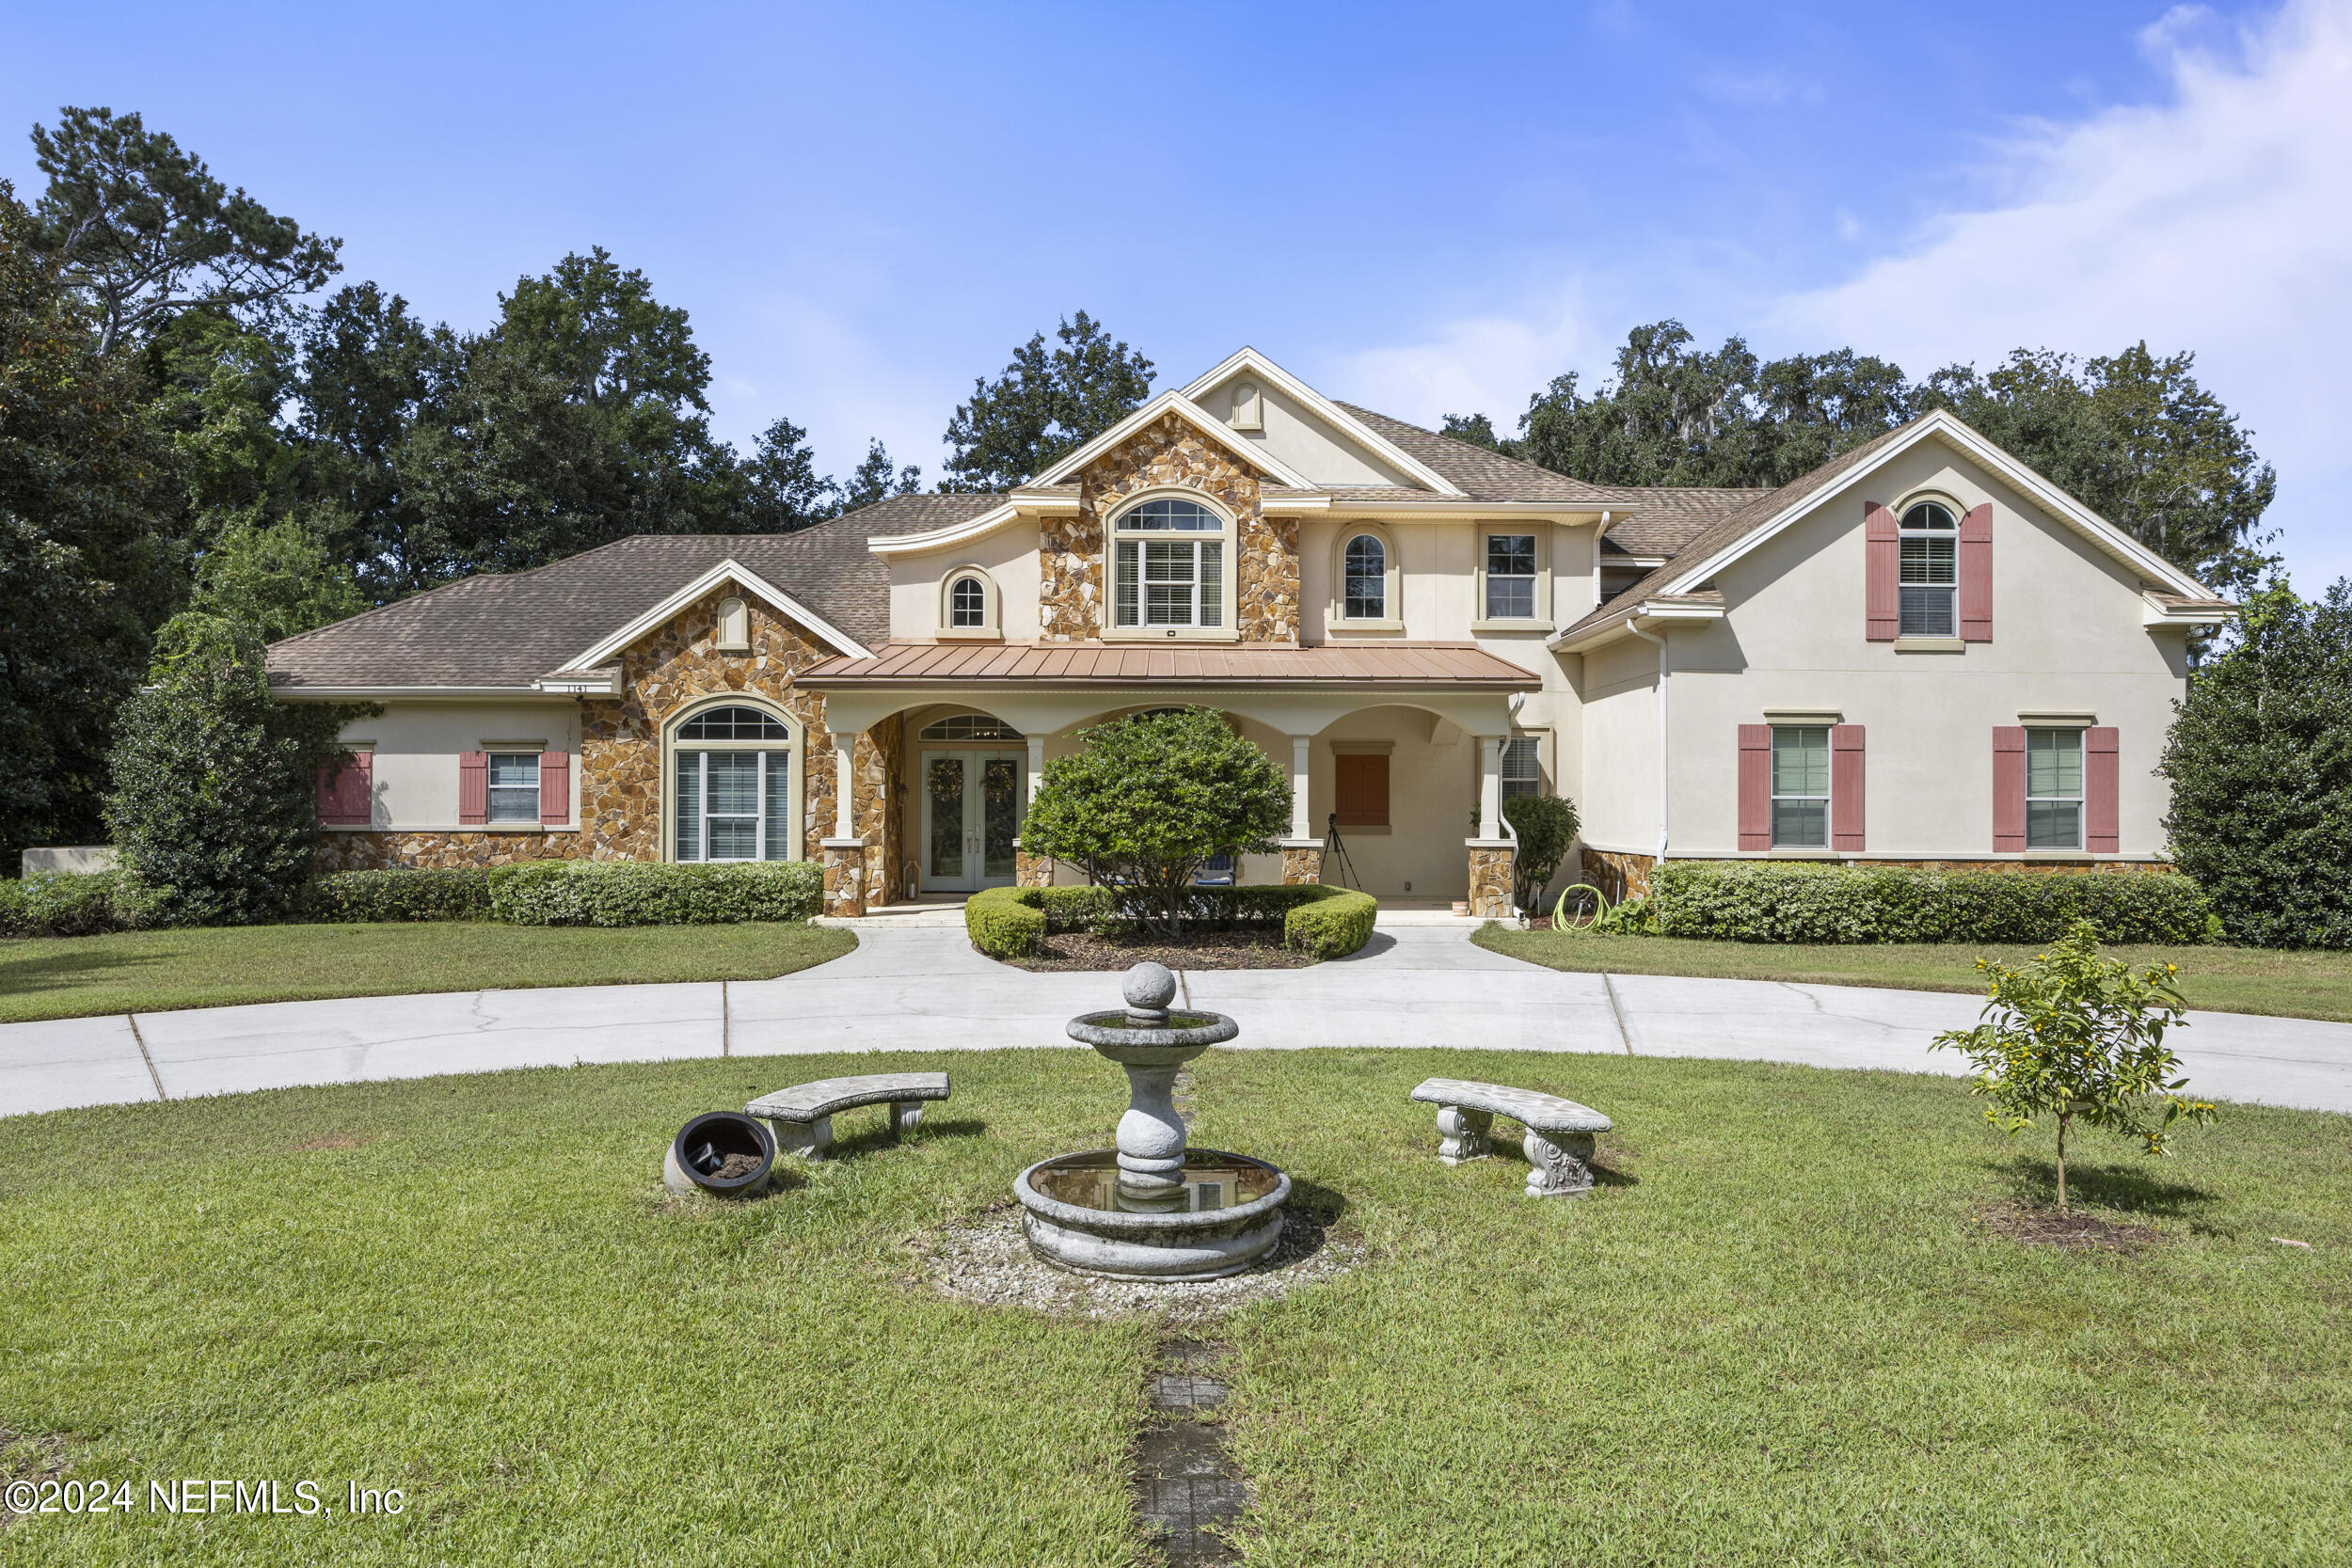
(306, 1499)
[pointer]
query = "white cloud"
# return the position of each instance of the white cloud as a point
(1478, 365)
(2220, 220)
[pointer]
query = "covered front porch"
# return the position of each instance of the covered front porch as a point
(1397, 757)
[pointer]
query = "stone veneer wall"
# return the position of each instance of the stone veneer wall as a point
(1490, 883)
(1621, 876)
(1169, 452)
(620, 761)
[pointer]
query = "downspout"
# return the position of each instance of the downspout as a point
(1665, 669)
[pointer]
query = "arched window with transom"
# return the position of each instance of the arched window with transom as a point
(1367, 574)
(1930, 570)
(1169, 556)
(732, 799)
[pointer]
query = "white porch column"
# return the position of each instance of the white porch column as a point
(844, 785)
(1300, 827)
(1490, 786)
(1036, 762)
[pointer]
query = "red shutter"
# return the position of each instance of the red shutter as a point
(473, 788)
(1359, 789)
(1845, 786)
(346, 796)
(1883, 566)
(2009, 788)
(555, 788)
(2102, 816)
(1755, 787)
(1975, 574)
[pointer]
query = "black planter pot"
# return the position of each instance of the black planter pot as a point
(701, 1147)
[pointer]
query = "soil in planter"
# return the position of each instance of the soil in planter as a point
(736, 1167)
(1242, 949)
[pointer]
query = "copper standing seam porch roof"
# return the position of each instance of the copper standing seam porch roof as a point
(1456, 665)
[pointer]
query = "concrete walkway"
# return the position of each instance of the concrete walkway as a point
(921, 988)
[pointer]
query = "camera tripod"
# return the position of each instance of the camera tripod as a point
(1338, 869)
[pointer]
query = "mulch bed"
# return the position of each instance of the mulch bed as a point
(1074, 950)
(2037, 1226)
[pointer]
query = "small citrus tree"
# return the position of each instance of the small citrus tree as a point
(2073, 1036)
(1147, 799)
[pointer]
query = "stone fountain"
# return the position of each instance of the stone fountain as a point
(1152, 1209)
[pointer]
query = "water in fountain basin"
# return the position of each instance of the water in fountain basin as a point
(1210, 1181)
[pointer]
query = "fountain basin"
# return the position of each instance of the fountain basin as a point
(1221, 1212)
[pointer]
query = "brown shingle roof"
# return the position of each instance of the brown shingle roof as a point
(1667, 518)
(1729, 528)
(508, 629)
(1054, 664)
(1482, 475)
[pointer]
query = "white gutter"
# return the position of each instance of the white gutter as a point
(1665, 669)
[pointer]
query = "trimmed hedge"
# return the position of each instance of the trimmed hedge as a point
(76, 904)
(1784, 902)
(1326, 922)
(652, 892)
(459, 892)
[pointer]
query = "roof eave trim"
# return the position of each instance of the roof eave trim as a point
(1249, 358)
(1648, 613)
(2154, 614)
(346, 693)
(743, 576)
(956, 533)
(1192, 413)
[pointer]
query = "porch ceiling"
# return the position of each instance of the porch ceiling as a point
(1419, 666)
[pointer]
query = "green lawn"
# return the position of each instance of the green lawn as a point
(1780, 1333)
(150, 971)
(2221, 979)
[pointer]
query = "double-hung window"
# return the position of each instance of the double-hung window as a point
(1167, 566)
(514, 786)
(1930, 571)
(1510, 576)
(1522, 767)
(1801, 786)
(733, 787)
(1367, 570)
(2054, 789)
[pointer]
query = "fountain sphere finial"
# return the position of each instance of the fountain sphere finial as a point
(1149, 986)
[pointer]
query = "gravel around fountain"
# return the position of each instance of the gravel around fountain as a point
(987, 1262)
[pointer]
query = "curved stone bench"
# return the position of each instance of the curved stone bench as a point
(801, 1115)
(1559, 1141)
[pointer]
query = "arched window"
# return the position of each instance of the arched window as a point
(967, 603)
(1169, 559)
(1930, 570)
(731, 774)
(1367, 586)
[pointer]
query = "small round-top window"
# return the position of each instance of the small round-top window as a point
(967, 604)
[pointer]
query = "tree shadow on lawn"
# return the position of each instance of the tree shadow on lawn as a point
(64, 970)
(2128, 1189)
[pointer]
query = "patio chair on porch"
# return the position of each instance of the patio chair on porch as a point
(1217, 871)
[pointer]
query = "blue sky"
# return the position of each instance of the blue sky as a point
(1420, 208)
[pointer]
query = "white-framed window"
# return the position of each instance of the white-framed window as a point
(1930, 542)
(514, 786)
(1522, 767)
(1510, 576)
(967, 604)
(1366, 589)
(731, 775)
(1801, 786)
(2054, 789)
(968, 727)
(1167, 566)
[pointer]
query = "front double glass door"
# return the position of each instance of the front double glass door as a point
(972, 807)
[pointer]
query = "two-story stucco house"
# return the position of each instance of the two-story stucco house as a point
(1920, 653)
